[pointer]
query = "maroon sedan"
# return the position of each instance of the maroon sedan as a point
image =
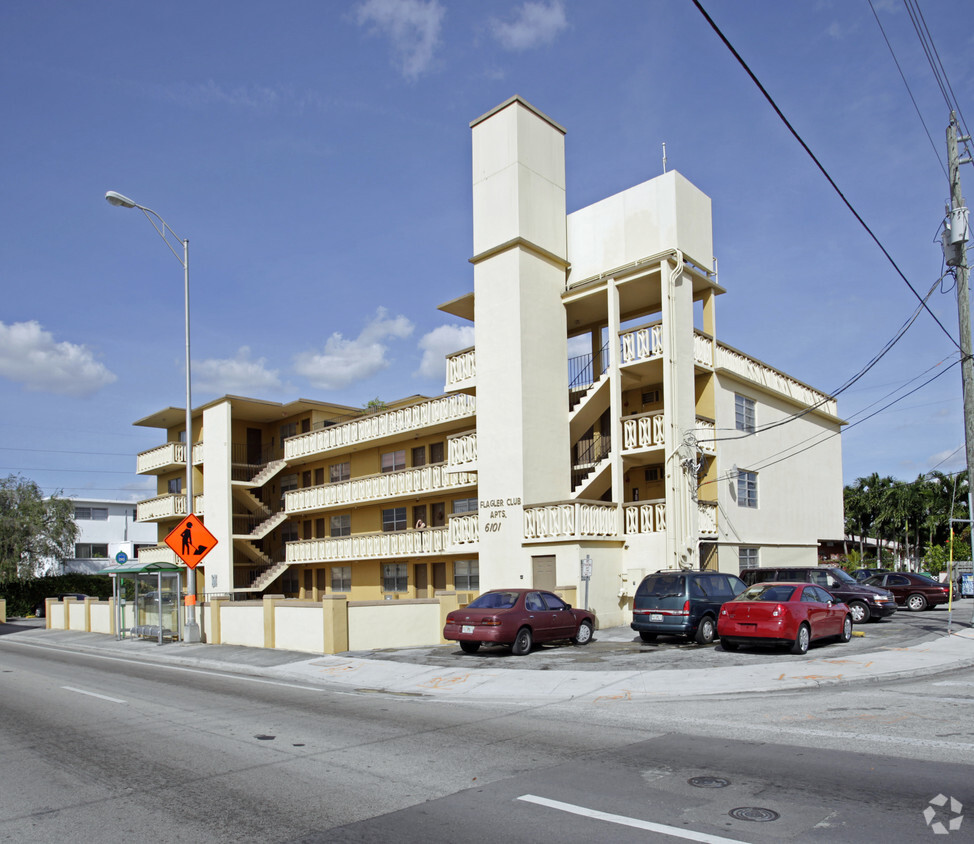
(914, 591)
(519, 618)
(783, 614)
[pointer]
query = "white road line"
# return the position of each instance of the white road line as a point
(93, 694)
(622, 820)
(953, 683)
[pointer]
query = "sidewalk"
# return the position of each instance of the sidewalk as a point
(468, 679)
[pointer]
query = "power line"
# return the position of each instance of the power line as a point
(819, 165)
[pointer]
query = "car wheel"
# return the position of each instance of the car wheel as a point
(470, 647)
(916, 602)
(522, 642)
(802, 640)
(846, 634)
(705, 631)
(859, 611)
(647, 637)
(584, 634)
(729, 646)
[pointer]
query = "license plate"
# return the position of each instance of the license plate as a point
(656, 616)
(466, 628)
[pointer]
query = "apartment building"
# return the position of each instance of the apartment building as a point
(105, 527)
(597, 430)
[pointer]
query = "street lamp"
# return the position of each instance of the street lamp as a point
(192, 632)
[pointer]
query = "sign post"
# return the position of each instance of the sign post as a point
(191, 542)
(586, 574)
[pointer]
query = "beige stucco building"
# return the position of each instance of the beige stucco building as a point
(597, 422)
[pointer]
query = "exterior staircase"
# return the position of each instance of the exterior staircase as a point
(267, 578)
(268, 472)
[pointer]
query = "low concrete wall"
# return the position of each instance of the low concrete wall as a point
(101, 616)
(393, 624)
(242, 623)
(77, 614)
(3, 610)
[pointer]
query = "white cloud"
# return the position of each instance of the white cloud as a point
(345, 361)
(412, 26)
(535, 23)
(29, 355)
(437, 344)
(238, 375)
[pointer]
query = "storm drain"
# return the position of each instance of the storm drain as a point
(708, 782)
(754, 813)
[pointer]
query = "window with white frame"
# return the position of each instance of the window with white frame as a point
(395, 577)
(394, 518)
(96, 514)
(90, 550)
(466, 575)
(338, 472)
(341, 578)
(175, 486)
(394, 461)
(341, 524)
(747, 489)
(747, 558)
(744, 413)
(465, 505)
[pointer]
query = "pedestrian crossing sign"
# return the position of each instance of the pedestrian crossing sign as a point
(191, 541)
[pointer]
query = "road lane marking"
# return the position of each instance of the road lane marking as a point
(622, 820)
(93, 694)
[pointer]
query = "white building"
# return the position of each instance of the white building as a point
(106, 527)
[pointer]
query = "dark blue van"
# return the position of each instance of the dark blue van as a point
(682, 603)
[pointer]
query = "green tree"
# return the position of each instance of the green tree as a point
(34, 531)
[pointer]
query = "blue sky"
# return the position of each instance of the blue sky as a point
(317, 156)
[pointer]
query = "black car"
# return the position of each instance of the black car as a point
(864, 574)
(682, 603)
(866, 603)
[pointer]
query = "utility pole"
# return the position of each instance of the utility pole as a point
(955, 255)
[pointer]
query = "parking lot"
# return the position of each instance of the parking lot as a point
(619, 648)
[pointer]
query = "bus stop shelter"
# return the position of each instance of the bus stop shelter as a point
(147, 600)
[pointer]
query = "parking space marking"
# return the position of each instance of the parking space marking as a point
(622, 820)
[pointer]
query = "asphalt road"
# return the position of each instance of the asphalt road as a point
(97, 747)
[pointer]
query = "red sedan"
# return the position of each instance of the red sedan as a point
(783, 614)
(519, 618)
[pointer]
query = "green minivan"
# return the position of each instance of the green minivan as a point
(682, 603)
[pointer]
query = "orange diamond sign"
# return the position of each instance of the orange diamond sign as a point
(191, 541)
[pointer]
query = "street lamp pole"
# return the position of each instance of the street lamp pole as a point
(192, 629)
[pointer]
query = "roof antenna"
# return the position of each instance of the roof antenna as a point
(664, 156)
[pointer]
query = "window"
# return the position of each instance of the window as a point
(288, 430)
(651, 397)
(175, 486)
(289, 532)
(744, 413)
(394, 519)
(394, 461)
(465, 505)
(319, 476)
(306, 528)
(339, 472)
(341, 578)
(635, 493)
(82, 513)
(466, 575)
(747, 558)
(395, 577)
(90, 550)
(747, 489)
(553, 602)
(341, 525)
(319, 528)
(419, 455)
(654, 473)
(306, 478)
(289, 582)
(436, 453)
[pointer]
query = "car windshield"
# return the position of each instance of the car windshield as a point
(839, 574)
(766, 592)
(494, 601)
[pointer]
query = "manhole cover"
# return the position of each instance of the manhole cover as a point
(708, 782)
(754, 813)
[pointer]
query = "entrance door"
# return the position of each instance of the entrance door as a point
(422, 580)
(543, 572)
(253, 446)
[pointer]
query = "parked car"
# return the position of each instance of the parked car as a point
(866, 603)
(41, 608)
(682, 603)
(152, 598)
(914, 591)
(864, 574)
(519, 618)
(774, 613)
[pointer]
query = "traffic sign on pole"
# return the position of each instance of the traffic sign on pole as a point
(191, 541)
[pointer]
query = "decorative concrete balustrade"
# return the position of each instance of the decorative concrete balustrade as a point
(461, 451)
(461, 368)
(760, 373)
(570, 520)
(640, 344)
(369, 546)
(650, 517)
(161, 507)
(384, 486)
(379, 425)
(465, 529)
(645, 431)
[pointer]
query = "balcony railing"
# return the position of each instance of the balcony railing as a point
(398, 544)
(570, 520)
(642, 344)
(650, 517)
(465, 529)
(703, 350)
(158, 554)
(646, 431)
(389, 485)
(160, 459)
(461, 368)
(461, 451)
(392, 422)
(161, 507)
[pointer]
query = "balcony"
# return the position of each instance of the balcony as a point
(461, 371)
(369, 546)
(158, 554)
(465, 529)
(166, 458)
(382, 487)
(461, 452)
(161, 508)
(571, 520)
(434, 414)
(645, 432)
(650, 517)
